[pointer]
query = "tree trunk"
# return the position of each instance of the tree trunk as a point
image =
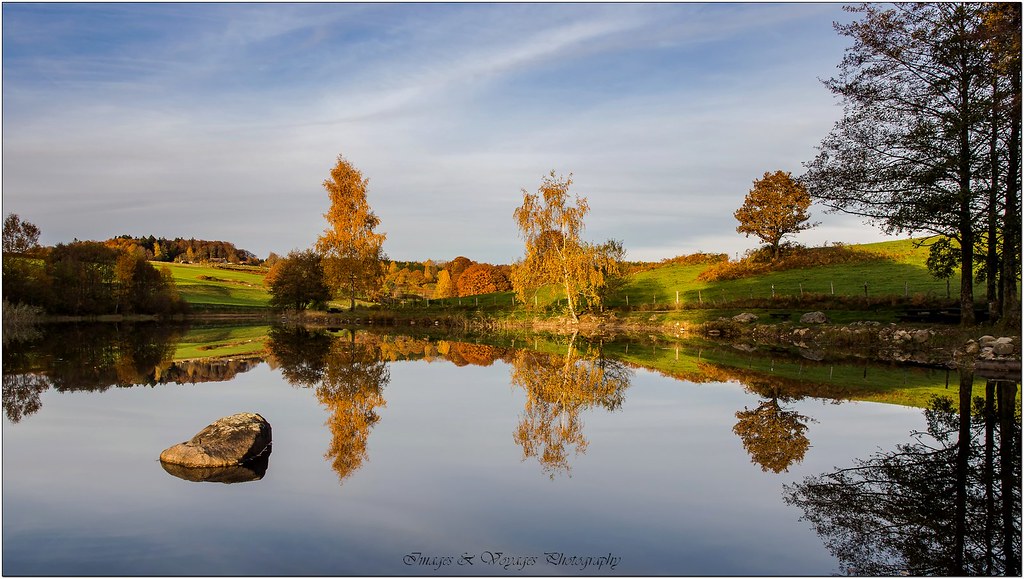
(352, 294)
(966, 225)
(992, 295)
(1011, 213)
(568, 300)
(966, 267)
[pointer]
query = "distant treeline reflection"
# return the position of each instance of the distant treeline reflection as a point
(96, 357)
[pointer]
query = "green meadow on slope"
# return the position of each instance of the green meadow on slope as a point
(214, 287)
(899, 272)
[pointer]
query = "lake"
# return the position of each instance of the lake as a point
(502, 455)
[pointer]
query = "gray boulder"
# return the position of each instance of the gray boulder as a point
(814, 318)
(1004, 348)
(744, 318)
(229, 441)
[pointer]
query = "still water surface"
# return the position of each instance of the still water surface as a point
(455, 459)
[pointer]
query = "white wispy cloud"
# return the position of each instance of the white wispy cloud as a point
(223, 120)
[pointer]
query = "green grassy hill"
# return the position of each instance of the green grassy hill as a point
(904, 272)
(900, 271)
(207, 287)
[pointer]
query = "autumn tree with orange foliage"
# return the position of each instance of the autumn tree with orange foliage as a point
(775, 207)
(482, 278)
(353, 252)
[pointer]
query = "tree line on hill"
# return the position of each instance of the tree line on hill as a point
(182, 250)
(459, 277)
(82, 277)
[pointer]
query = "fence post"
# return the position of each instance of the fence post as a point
(677, 297)
(801, 289)
(699, 298)
(865, 289)
(832, 288)
(627, 300)
(773, 290)
(906, 288)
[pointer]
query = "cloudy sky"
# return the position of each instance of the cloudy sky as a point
(221, 121)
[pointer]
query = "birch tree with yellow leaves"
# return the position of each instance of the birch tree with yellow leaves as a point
(552, 226)
(353, 252)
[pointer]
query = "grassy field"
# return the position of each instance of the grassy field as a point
(904, 273)
(212, 287)
(900, 276)
(673, 291)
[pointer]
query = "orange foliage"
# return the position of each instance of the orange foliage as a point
(482, 278)
(775, 207)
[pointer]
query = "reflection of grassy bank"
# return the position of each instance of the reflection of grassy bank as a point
(774, 372)
(794, 376)
(770, 373)
(221, 341)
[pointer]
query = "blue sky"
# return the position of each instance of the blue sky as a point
(221, 121)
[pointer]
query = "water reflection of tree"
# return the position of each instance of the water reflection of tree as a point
(348, 376)
(91, 357)
(773, 436)
(21, 394)
(558, 388)
(300, 353)
(947, 503)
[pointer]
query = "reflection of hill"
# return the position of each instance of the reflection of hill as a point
(790, 375)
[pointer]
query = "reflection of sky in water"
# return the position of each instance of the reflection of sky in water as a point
(664, 484)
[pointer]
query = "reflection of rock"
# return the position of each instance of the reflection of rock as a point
(251, 470)
(229, 441)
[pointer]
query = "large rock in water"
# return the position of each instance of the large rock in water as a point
(229, 441)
